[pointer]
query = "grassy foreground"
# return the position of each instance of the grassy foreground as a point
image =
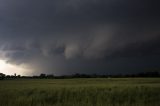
(80, 92)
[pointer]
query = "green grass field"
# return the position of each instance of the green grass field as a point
(80, 92)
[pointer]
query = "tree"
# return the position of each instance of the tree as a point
(42, 75)
(2, 76)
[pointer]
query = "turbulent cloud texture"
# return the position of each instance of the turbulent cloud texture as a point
(80, 36)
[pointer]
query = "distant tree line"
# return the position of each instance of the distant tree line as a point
(2, 76)
(78, 75)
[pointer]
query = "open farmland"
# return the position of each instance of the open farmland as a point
(80, 92)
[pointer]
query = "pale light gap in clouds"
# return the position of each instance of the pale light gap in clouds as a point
(10, 69)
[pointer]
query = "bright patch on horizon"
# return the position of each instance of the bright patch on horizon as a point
(10, 69)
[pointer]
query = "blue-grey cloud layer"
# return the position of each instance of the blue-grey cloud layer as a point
(86, 36)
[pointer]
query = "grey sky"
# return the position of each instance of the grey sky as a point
(80, 36)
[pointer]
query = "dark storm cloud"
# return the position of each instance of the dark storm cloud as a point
(87, 36)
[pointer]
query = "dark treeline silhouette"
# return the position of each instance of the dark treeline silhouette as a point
(2, 76)
(153, 74)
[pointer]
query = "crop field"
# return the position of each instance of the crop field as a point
(80, 92)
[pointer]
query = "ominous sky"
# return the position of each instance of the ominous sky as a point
(80, 36)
